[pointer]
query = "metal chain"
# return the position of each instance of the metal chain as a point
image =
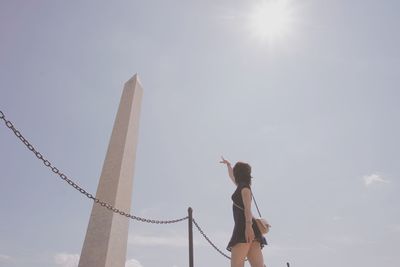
(64, 177)
(208, 240)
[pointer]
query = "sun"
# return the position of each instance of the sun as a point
(270, 19)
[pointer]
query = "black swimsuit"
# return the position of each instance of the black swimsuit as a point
(238, 235)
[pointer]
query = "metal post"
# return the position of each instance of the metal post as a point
(190, 211)
(287, 263)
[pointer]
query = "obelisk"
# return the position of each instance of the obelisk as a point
(107, 233)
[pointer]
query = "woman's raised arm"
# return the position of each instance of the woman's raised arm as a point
(230, 170)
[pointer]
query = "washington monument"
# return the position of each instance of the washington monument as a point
(107, 233)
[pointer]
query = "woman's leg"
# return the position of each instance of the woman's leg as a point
(239, 253)
(255, 255)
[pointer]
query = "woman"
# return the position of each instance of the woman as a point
(246, 240)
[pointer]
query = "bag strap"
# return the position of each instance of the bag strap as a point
(237, 206)
(255, 202)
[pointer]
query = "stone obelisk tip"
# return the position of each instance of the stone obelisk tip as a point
(134, 79)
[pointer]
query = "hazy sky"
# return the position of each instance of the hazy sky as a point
(313, 108)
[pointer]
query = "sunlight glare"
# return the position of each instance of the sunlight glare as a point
(270, 19)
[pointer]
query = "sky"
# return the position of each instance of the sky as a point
(312, 105)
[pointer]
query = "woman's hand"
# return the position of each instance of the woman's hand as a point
(249, 233)
(230, 170)
(224, 161)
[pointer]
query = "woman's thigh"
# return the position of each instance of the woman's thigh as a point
(255, 255)
(239, 253)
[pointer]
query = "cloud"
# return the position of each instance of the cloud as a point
(66, 260)
(344, 240)
(337, 218)
(395, 228)
(72, 260)
(4, 258)
(171, 241)
(280, 250)
(374, 178)
(133, 263)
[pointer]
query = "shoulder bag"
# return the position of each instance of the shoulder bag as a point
(262, 224)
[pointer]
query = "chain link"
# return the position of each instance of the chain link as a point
(209, 241)
(64, 177)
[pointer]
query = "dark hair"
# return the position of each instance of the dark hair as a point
(242, 173)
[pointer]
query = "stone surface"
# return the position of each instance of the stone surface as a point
(107, 233)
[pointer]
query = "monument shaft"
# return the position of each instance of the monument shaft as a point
(107, 233)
